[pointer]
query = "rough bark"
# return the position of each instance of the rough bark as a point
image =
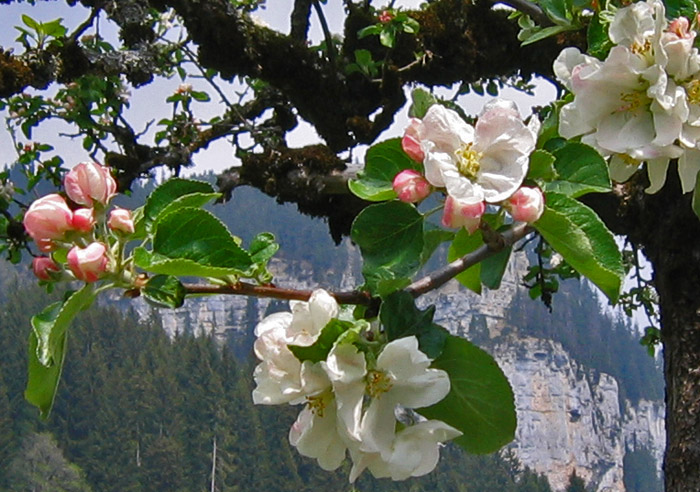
(669, 233)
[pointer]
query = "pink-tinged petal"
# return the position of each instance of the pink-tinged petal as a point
(90, 263)
(48, 218)
(43, 267)
(526, 204)
(89, 183)
(120, 220)
(410, 186)
(83, 219)
(462, 214)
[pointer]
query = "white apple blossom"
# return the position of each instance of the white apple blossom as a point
(487, 162)
(402, 376)
(281, 377)
(316, 433)
(414, 452)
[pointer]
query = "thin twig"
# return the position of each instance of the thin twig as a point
(85, 25)
(356, 297)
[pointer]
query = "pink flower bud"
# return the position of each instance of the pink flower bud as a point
(48, 218)
(83, 219)
(120, 220)
(458, 213)
(410, 143)
(385, 17)
(89, 182)
(44, 266)
(526, 204)
(680, 27)
(411, 186)
(88, 263)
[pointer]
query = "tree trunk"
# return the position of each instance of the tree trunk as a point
(670, 234)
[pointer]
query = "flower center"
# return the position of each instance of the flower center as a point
(632, 101)
(629, 161)
(317, 404)
(641, 49)
(378, 382)
(468, 161)
(692, 88)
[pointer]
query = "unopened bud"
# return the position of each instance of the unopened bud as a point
(526, 204)
(410, 143)
(90, 263)
(89, 183)
(411, 186)
(48, 218)
(83, 219)
(120, 220)
(43, 267)
(458, 213)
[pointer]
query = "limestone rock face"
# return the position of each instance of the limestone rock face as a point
(570, 418)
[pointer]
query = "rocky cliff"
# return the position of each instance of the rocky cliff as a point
(570, 418)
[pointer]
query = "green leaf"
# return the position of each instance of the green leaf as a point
(493, 268)
(200, 96)
(480, 403)
(263, 247)
(599, 43)
(191, 241)
(401, 318)
(580, 169)
(323, 345)
(382, 163)
(163, 196)
(466, 243)
(193, 200)
(165, 290)
(47, 347)
(578, 234)
(433, 236)
(42, 381)
(541, 166)
(421, 102)
(543, 34)
(29, 22)
(557, 10)
(388, 36)
(390, 237)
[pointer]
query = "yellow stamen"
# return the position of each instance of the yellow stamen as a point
(641, 49)
(317, 404)
(468, 161)
(378, 382)
(632, 101)
(692, 88)
(629, 161)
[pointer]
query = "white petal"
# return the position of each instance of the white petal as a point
(316, 436)
(272, 321)
(446, 129)
(656, 169)
(621, 170)
(378, 426)
(688, 167)
(323, 307)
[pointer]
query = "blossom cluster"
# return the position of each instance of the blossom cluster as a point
(642, 103)
(351, 398)
(82, 228)
(476, 166)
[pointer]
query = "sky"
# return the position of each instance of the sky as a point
(144, 105)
